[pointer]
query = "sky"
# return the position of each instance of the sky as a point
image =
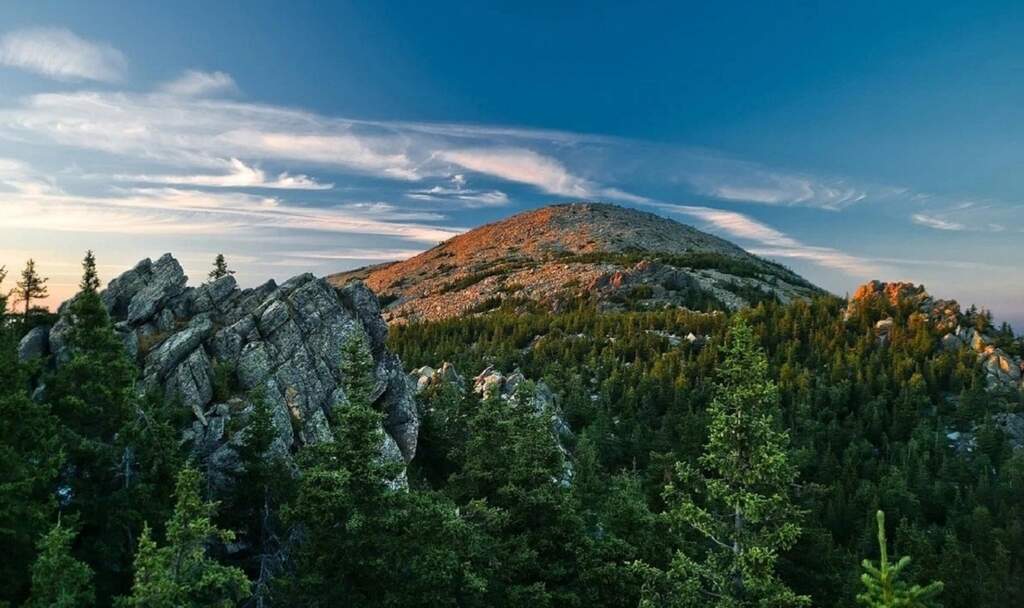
(849, 141)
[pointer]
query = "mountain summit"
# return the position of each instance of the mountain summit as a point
(558, 255)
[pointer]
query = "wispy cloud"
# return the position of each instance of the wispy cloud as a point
(770, 242)
(195, 83)
(239, 175)
(58, 53)
(458, 192)
(18, 177)
(170, 211)
(522, 166)
(937, 222)
(743, 182)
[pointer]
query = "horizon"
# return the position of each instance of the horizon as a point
(355, 135)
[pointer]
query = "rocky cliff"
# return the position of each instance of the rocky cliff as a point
(956, 330)
(618, 257)
(282, 340)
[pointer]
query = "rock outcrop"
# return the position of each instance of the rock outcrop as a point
(1002, 370)
(506, 387)
(284, 341)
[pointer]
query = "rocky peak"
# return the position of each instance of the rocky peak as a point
(619, 256)
(283, 340)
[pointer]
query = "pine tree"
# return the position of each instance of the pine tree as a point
(738, 502)
(181, 574)
(366, 540)
(30, 459)
(3, 296)
(357, 369)
(883, 587)
(32, 286)
(252, 508)
(114, 443)
(58, 579)
(220, 268)
(90, 279)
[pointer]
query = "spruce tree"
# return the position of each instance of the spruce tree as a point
(220, 268)
(106, 436)
(59, 580)
(737, 502)
(883, 589)
(90, 279)
(31, 287)
(357, 369)
(181, 574)
(30, 459)
(3, 296)
(365, 539)
(252, 507)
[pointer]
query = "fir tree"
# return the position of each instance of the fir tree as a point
(883, 589)
(58, 579)
(31, 287)
(357, 369)
(220, 268)
(181, 573)
(106, 438)
(738, 503)
(3, 296)
(90, 279)
(264, 483)
(30, 458)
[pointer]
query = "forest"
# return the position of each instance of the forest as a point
(783, 456)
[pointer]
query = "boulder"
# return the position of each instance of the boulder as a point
(35, 344)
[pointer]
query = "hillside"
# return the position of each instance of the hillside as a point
(621, 258)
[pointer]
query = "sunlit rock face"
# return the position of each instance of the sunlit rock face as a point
(1002, 370)
(209, 347)
(620, 258)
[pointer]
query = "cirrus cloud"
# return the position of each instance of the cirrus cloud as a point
(58, 53)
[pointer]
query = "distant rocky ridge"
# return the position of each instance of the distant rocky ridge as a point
(556, 255)
(1002, 370)
(283, 340)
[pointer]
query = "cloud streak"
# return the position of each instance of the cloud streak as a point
(60, 54)
(770, 242)
(937, 222)
(172, 211)
(239, 175)
(194, 83)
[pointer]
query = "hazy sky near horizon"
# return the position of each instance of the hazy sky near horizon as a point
(851, 141)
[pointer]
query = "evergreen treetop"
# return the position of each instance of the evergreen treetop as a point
(90, 279)
(32, 286)
(181, 574)
(59, 580)
(883, 587)
(220, 268)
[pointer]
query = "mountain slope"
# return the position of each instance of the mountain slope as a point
(556, 255)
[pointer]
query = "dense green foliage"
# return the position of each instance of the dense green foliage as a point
(737, 500)
(58, 579)
(181, 574)
(739, 466)
(868, 423)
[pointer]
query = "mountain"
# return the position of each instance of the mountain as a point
(557, 255)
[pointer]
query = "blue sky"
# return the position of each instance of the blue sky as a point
(849, 141)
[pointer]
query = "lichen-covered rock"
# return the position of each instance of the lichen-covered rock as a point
(284, 341)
